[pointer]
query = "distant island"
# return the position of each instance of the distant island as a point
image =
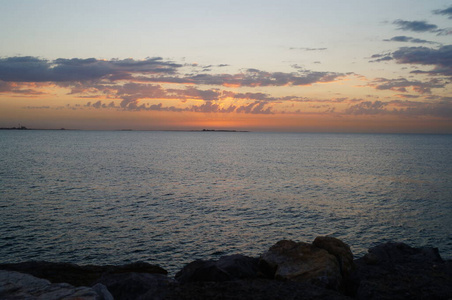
(25, 128)
(127, 129)
(14, 128)
(221, 130)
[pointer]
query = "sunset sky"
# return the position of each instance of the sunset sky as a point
(302, 66)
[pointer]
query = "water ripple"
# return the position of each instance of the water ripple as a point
(169, 197)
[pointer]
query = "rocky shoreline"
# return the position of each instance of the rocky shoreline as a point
(323, 269)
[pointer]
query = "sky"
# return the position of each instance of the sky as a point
(291, 66)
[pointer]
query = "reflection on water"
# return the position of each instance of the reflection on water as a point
(172, 197)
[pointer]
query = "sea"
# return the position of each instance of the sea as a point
(169, 198)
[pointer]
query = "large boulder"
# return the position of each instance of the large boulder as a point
(201, 270)
(135, 286)
(392, 252)
(231, 267)
(15, 285)
(250, 289)
(398, 271)
(303, 262)
(239, 266)
(339, 249)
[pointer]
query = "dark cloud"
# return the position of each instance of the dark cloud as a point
(420, 26)
(131, 92)
(407, 96)
(10, 87)
(440, 58)
(256, 107)
(33, 69)
(6, 87)
(100, 104)
(416, 26)
(132, 83)
(402, 84)
(447, 12)
(24, 69)
(250, 96)
(441, 109)
(406, 39)
(210, 107)
(381, 57)
(194, 93)
(367, 108)
(77, 72)
(251, 77)
(400, 38)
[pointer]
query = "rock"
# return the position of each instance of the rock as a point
(303, 262)
(398, 271)
(201, 270)
(103, 291)
(259, 289)
(321, 270)
(15, 285)
(239, 266)
(137, 267)
(401, 253)
(340, 250)
(75, 274)
(137, 285)
(232, 267)
(58, 272)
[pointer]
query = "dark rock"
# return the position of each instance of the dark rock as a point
(390, 253)
(239, 266)
(303, 262)
(130, 286)
(262, 289)
(232, 267)
(398, 271)
(102, 291)
(339, 249)
(322, 270)
(201, 270)
(58, 272)
(15, 285)
(137, 267)
(75, 274)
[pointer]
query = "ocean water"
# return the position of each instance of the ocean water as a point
(113, 197)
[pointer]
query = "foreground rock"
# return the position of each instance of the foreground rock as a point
(398, 271)
(324, 269)
(78, 275)
(340, 250)
(326, 263)
(227, 268)
(129, 281)
(258, 289)
(130, 286)
(241, 277)
(14, 285)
